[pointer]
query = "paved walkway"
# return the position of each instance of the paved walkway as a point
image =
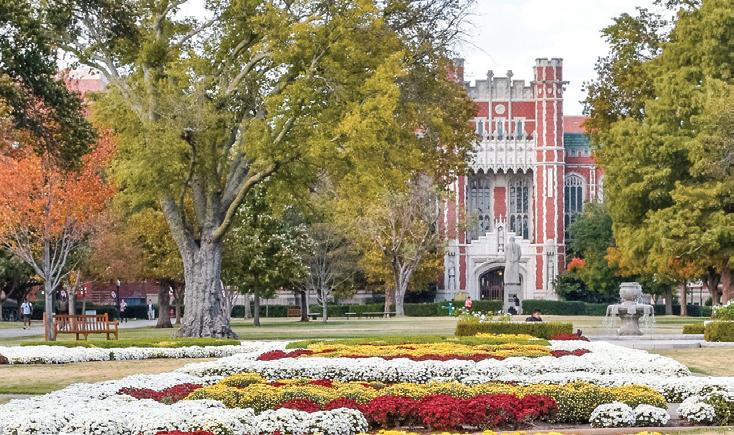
(37, 328)
(660, 341)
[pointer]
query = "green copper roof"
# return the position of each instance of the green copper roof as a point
(571, 140)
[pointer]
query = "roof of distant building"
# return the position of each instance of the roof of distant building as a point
(574, 124)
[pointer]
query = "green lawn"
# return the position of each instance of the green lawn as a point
(280, 328)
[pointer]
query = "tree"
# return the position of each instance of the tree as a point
(46, 213)
(16, 279)
(31, 86)
(402, 230)
(264, 252)
(672, 216)
(590, 238)
(209, 108)
(331, 266)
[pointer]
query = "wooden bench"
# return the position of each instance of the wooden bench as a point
(315, 316)
(371, 314)
(294, 312)
(350, 315)
(85, 324)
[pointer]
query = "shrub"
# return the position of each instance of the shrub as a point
(723, 407)
(391, 411)
(719, 331)
(544, 407)
(696, 328)
(647, 415)
(564, 308)
(441, 412)
(695, 410)
(492, 410)
(537, 329)
(723, 312)
(615, 414)
(4, 360)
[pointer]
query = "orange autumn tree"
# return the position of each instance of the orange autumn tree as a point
(46, 212)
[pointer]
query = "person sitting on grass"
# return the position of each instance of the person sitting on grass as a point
(535, 317)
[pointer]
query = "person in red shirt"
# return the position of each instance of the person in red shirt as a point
(468, 303)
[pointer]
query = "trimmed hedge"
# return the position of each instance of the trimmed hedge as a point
(141, 342)
(564, 308)
(693, 310)
(696, 328)
(719, 331)
(537, 329)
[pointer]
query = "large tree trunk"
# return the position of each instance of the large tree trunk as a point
(683, 300)
(71, 297)
(389, 299)
(256, 310)
(712, 282)
(400, 290)
(727, 293)
(304, 307)
(204, 316)
(669, 301)
(164, 306)
(179, 304)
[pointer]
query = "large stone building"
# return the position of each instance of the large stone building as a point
(532, 172)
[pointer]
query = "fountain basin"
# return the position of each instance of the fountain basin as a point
(629, 311)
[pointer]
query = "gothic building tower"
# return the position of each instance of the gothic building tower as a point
(530, 176)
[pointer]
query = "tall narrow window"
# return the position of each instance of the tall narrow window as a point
(519, 205)
(479, 205)
(573, 194)
(519, 130)
(480, 127)
(500, 129)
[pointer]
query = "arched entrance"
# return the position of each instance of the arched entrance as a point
(491, 285)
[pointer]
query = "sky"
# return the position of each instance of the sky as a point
(510, 34)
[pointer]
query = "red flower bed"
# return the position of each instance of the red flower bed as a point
(168, 395)
(279, 354)
(442, 411)
(577, 352)
(179, 432)
(570, 337)
(391, 411)
(300, 404)
(341, 402)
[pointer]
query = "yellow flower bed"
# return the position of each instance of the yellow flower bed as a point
(575, 401)
(418, 350)
(507, 337)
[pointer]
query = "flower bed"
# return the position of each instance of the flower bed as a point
(575, 402)
(603, 359)
(421, 351)
(61, 354)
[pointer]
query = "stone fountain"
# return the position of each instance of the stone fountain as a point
(630, 310)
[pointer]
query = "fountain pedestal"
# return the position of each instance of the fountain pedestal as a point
(630, 321)
(630, 311)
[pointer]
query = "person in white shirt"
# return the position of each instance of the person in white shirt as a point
(151, 311)
(123, 309)
(26, 309)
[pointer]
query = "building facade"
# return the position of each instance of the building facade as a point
(531, 174)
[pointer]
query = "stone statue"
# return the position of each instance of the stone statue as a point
(512, 262)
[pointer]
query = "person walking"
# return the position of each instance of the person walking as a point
(26, 309)
(468, 303)
(123, 308)
(151, 311)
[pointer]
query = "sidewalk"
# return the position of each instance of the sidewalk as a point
(660, 341)
(37, 328)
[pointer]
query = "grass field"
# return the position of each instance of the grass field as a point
(289, 329)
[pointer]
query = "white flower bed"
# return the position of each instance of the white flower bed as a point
(62, 355)
(695, 410)
(650, 416)
(615, 414)
(97, 409)
(605, 359)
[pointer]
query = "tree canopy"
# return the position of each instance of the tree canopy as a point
(659, 121)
